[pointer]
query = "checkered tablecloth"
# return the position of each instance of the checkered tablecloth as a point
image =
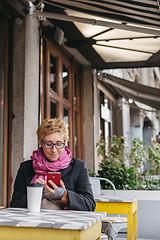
(57, 219)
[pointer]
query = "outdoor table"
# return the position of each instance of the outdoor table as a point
(113, 204)
(18, 224)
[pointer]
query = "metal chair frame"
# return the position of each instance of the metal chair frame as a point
(109, 227)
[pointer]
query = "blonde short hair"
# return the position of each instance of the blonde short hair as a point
(52, 125)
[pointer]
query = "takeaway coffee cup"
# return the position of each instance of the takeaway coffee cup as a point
(34, 196)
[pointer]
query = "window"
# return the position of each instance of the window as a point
(65, 76)
(53, 109)
(61, 93)
(53, 73)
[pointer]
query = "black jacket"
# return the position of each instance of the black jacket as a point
(75, 178)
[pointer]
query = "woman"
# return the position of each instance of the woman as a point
(54, 156)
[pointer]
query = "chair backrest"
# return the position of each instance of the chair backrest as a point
(96, 186)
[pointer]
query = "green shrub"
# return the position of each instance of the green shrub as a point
(143, 162)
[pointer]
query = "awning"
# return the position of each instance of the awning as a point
(140, 12)
(132, 90)
(112, 33)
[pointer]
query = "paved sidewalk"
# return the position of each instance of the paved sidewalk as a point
(124, 238)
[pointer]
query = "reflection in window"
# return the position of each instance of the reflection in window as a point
(106, 103)
(76, 137)
(53, 73)
(66, 118)
(65, 82)
(106, 134)
(75, 90)
(105, 119)
(53, 109)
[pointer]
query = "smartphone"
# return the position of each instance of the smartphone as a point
(54, 177)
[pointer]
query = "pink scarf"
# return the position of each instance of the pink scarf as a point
(41, 166)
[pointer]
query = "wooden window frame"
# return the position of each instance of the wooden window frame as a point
(57, 97)
(7, 112)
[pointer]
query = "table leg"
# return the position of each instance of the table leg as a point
(99, 238)
(135, 224)
(130, 226)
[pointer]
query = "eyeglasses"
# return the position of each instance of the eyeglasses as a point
(58, 145)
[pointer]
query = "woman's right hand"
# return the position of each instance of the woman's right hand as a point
(40, 180)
